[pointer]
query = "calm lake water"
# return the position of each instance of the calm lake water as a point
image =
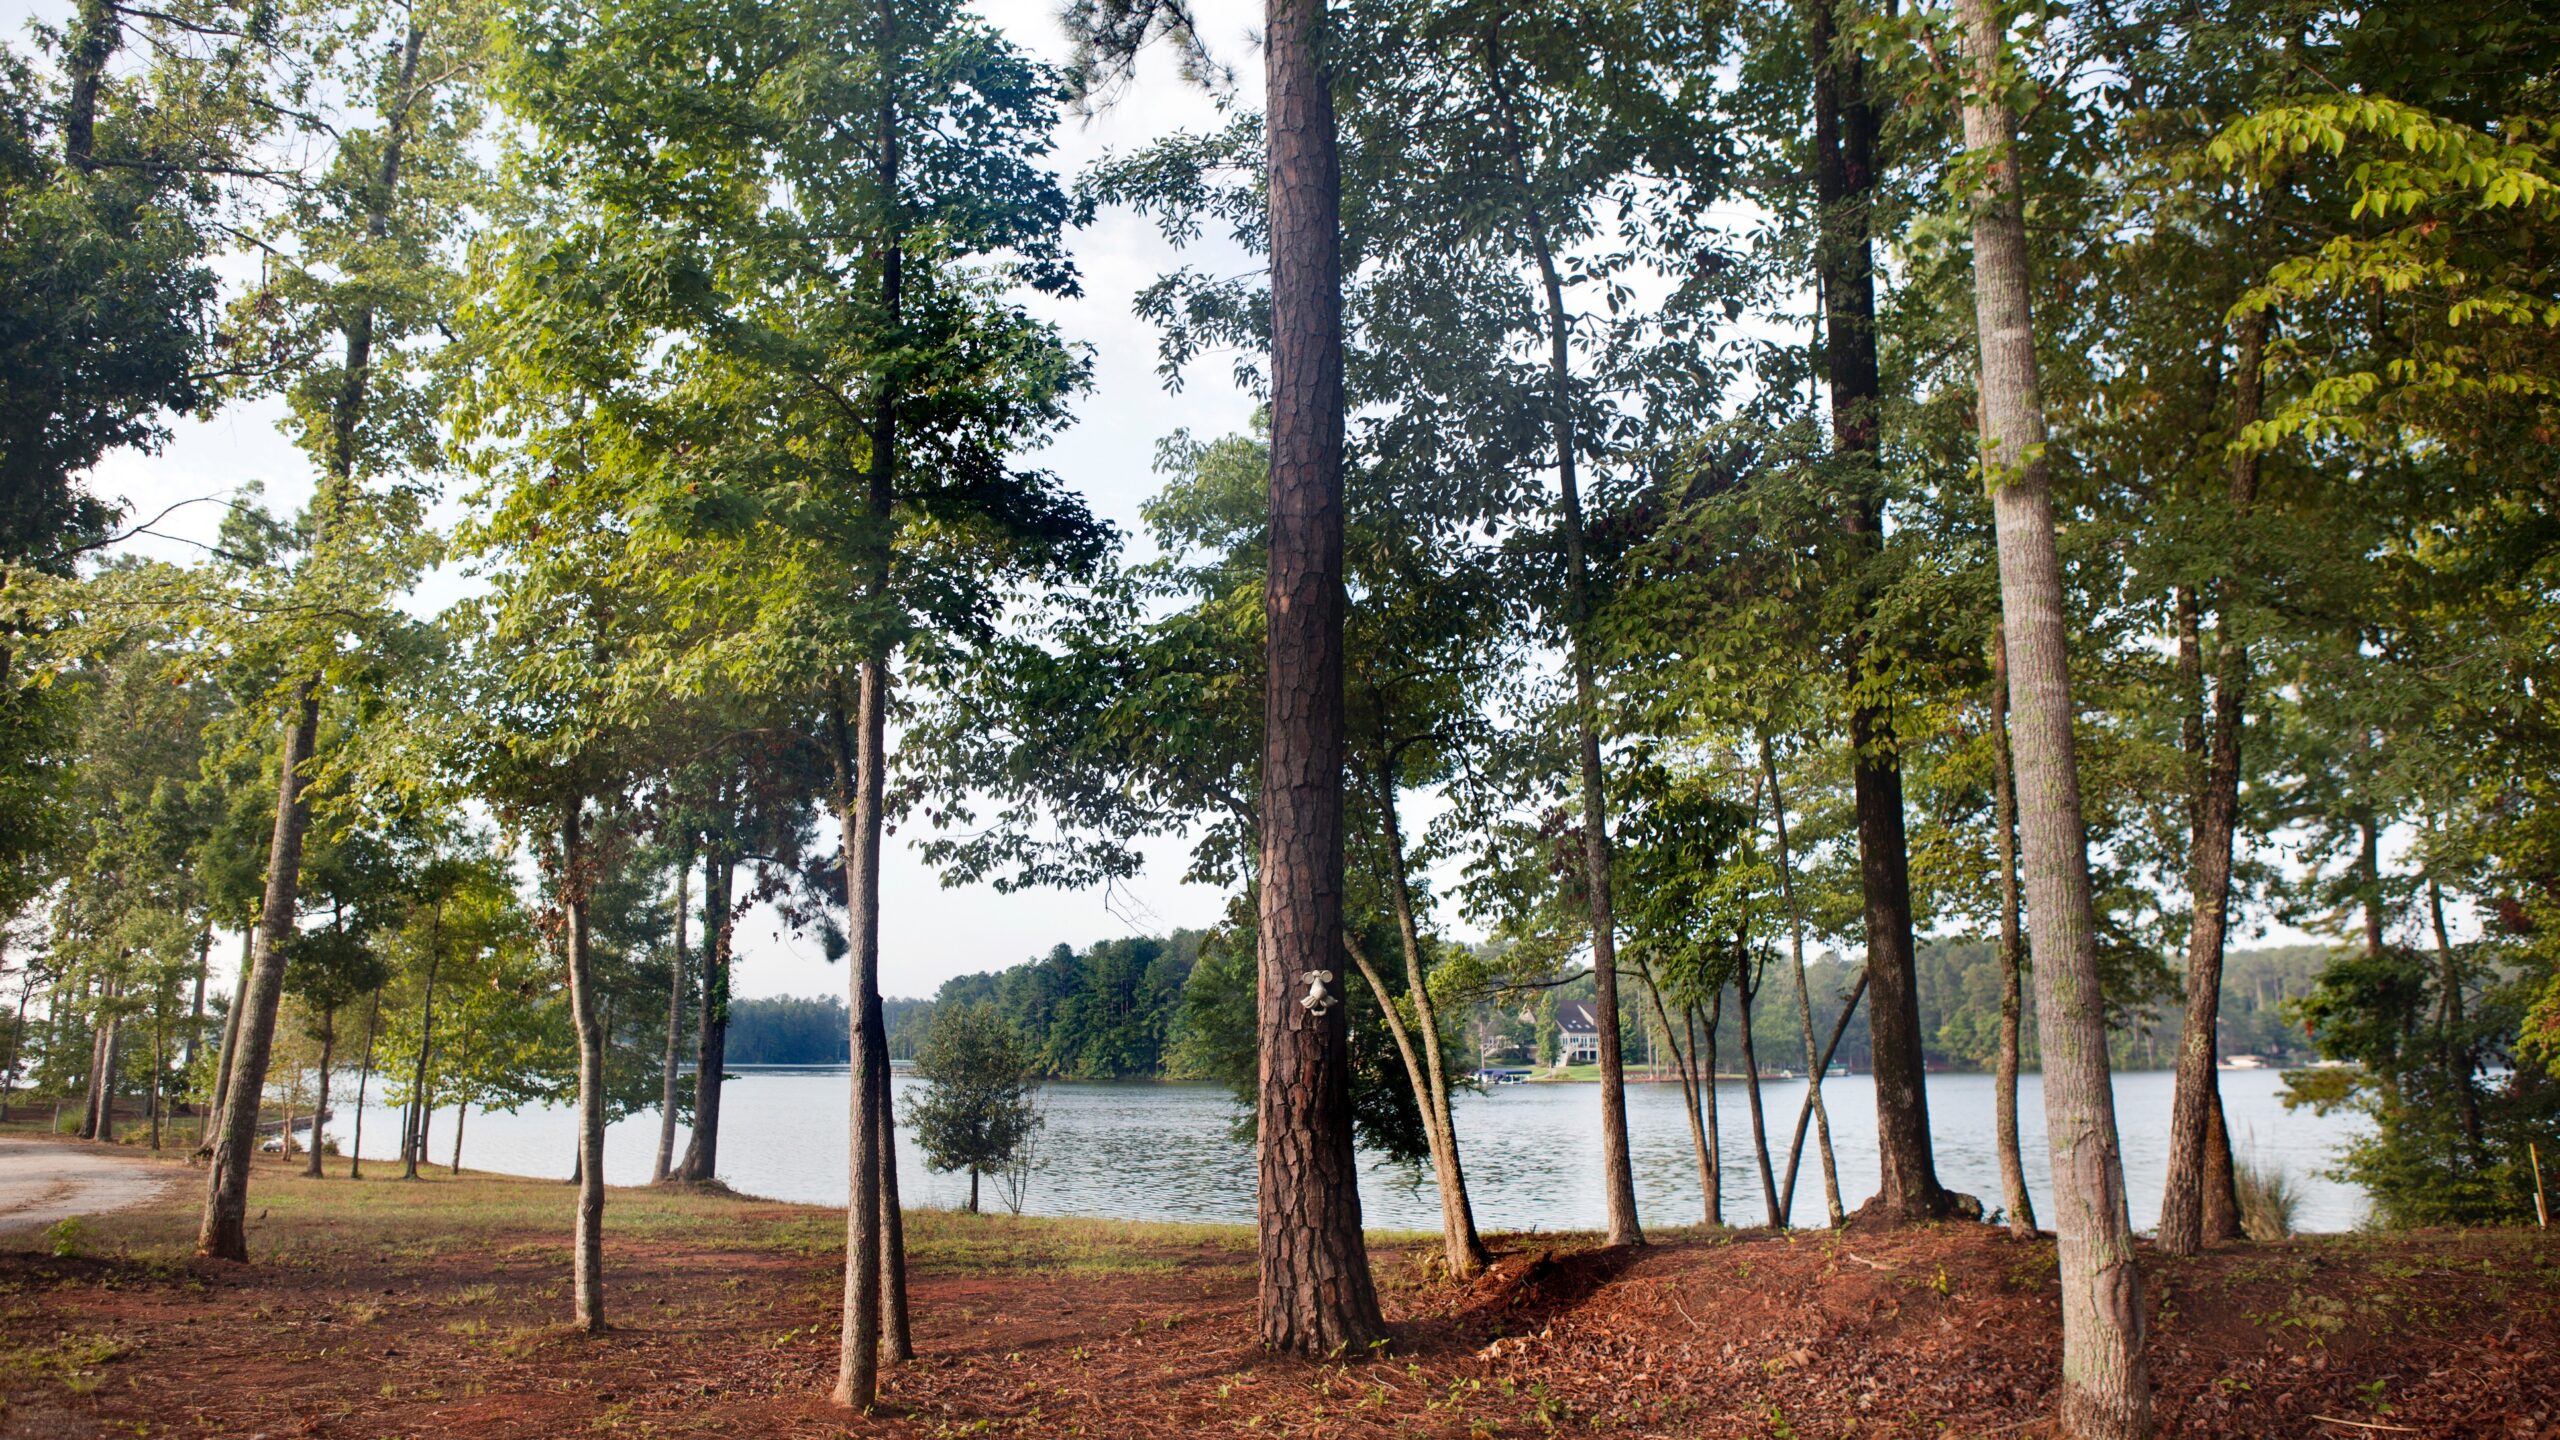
(1532, 1152)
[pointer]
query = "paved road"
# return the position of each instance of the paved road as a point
(42, 1181)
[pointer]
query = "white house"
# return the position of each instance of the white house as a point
(1579, 1040)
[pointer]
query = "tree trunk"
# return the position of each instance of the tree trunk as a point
(1462, 1248)
(320, 1105)
(2106, 1384)
(1804, 1112)
(1707, 1089)
(1742, 988)
(2194, 1111)
(1617, 1168)
(101, 1036)
(2020, 1205)
(413, 1129)
(897, 1333)
(858, 797)
(159, 1042)
(96, 33)
(1815, 1062)
(2461, 1065)
(973, 1189)
(585, 1006)
(364, 1076)
(195, 1016)
(711, 1038)
(1685, 1063)
(1317, 1296)
(222, 1234)
(2369, 869)
(1844, 183)
(675, 1026)
(461, 1112)
(211, 1120)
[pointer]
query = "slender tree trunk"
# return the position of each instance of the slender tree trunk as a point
(2106, 1384)
(1844, 184)
(2460, 1064)
(1317, 1295)
(675, 1026)
(585, 1010)
(2194, 1112)
(195, 1015)
(2020, 1205)
(711, 1040)
(413, 1130)
(461, 1112)
(1742, 988)
(1707, 1093)
(1804, 1112)
(2369, 866)
(897, 1333)
(101, 1037)
(364, 1077)
(858, 794)
(222, 1235)
(1617, 1168)
(320, 1105)
(1684, 1062)
(159, 1043)
(1462, 1248)
(1815, 1063)
(212, 1118)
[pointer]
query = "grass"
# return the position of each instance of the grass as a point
(2268, 1199)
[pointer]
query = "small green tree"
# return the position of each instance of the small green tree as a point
(981, 1105)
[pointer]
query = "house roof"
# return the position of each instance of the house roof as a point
(1576, 1016)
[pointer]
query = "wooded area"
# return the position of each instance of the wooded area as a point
(2074, 480)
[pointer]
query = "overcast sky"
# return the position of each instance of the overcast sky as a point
(928, 933)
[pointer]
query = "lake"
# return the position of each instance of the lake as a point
(1146, 1151)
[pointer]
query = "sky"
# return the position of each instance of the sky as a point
(928, 933)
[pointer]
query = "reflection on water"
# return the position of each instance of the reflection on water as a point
(1532, 1152)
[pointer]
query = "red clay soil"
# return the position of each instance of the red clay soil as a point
(725, 1324)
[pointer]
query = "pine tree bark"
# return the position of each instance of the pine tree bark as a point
(858, 794)
(585, 1008)
(1316, 1296)
(2015, 1199)
(675, 1026)
(897, 1332)
(1617, 1167)
(2195, 1112)
(2106, 1383)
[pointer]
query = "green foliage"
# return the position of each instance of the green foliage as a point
(981, 1102)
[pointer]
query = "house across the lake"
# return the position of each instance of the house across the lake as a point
(1578, 1038)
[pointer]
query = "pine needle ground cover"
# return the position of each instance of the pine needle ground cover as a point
(437, 1308)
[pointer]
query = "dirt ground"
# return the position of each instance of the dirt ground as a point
(433, 1309)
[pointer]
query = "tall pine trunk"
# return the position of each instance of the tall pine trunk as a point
(858, 796)
(2195, 1112)
(585, 1011)
(1317, 1295)
(211, 1120)
(675, 1027)
(2106, 1384)
(897, 1333)
(2015, 1200)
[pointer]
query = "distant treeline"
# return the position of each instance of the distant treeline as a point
(1116, 1011)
